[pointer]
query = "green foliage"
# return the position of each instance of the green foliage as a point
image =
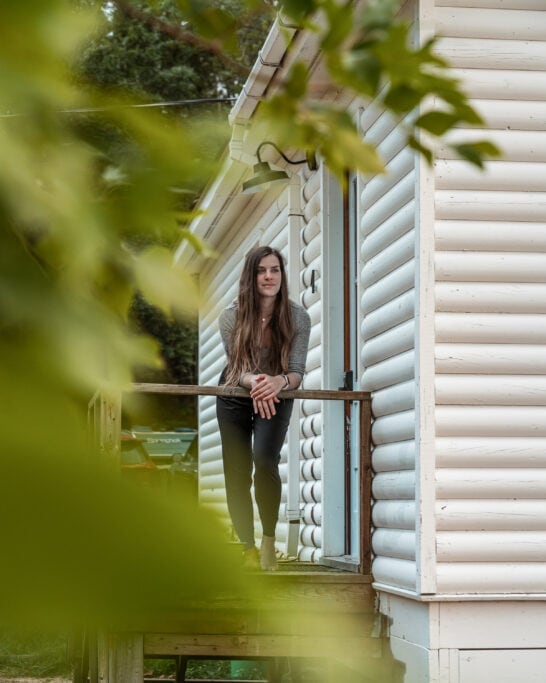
(370, 52)
(88, 209)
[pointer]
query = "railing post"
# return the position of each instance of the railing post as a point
(365, 484)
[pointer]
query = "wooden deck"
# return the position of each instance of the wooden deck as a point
(323, 616)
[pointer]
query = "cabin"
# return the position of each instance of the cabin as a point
(426, 287)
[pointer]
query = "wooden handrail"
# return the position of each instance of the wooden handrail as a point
(223, 390)
(364, 417)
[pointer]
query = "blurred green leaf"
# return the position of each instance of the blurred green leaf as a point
(436, 122)
(474, 152)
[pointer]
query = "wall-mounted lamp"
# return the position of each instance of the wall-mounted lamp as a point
(265, 177)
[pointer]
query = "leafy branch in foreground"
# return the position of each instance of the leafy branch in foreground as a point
(370, 52)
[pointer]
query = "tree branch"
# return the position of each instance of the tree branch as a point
(212, 46)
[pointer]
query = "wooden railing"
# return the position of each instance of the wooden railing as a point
(364, 451)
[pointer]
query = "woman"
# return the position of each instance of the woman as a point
(265, 336)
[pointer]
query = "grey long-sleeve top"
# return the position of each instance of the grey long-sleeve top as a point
(300, 343)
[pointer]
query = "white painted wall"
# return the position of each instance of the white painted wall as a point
(490, 259)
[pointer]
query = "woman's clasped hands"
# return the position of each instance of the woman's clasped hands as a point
(264, 390)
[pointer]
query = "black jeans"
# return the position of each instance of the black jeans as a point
(240, 452)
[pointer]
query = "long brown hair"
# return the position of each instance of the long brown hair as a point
(245, 345)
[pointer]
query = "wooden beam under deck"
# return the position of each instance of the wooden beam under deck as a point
(318, 615)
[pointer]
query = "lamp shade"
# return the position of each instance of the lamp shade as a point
(264, 178)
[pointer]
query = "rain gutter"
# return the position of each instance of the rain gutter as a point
(225, 188)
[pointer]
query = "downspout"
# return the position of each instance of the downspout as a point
(270, 60)
(293, 512)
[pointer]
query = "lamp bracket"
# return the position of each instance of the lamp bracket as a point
(310, 158)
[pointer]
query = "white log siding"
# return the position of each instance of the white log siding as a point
(490, 321)
(310, 540)
(220, 283)
(387, 341)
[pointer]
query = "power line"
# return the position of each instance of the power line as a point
(146, 105)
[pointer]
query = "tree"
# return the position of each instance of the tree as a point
(138, 51)
(71, 210)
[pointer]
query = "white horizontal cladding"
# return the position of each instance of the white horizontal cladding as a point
(211, 455)
(311, 230)
(394, 485)
(311, 536)
(311, 491)
(315, 338)
(490, 328)
(490, 577)
(311, 252)
(311, 513)
(474, 22)
(308, 554)
(389, 231)
(307, 275)
(209, 440)
(212, 481)
(314, 358)
(382, 131)
(389, 287)
(397, 168)
(210, 467)
(207, 429)
(491, 451)
(394, 514)
(397, 339)
(516, 145)
(389, 457)
(514, 176)
(311, 469)
(394, 572)
(396, 427)
(508, 359)
(490, 390)
(399, 196)
(311, 425)
(310, 406)
(397, 369)
(393, 313)
(490, 236)
(393, 256)
(209, 336)
(493, 4)
(314, 312)
(464, 266)
(491, 482)
(310, 297)
(491, 546)
(488, 205)
(502, 84)
(517, 114)
(312, 448)
(311, 196)
(210, 373)
(490, 515)
(486, 297)
(313, 379)
(471, 52)
(490, 421)
(398, 543)
(394, 399)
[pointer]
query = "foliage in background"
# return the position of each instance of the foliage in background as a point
(177, 340)
(84, 220)
(31, 653)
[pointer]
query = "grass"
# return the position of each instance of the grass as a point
(29, 653)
